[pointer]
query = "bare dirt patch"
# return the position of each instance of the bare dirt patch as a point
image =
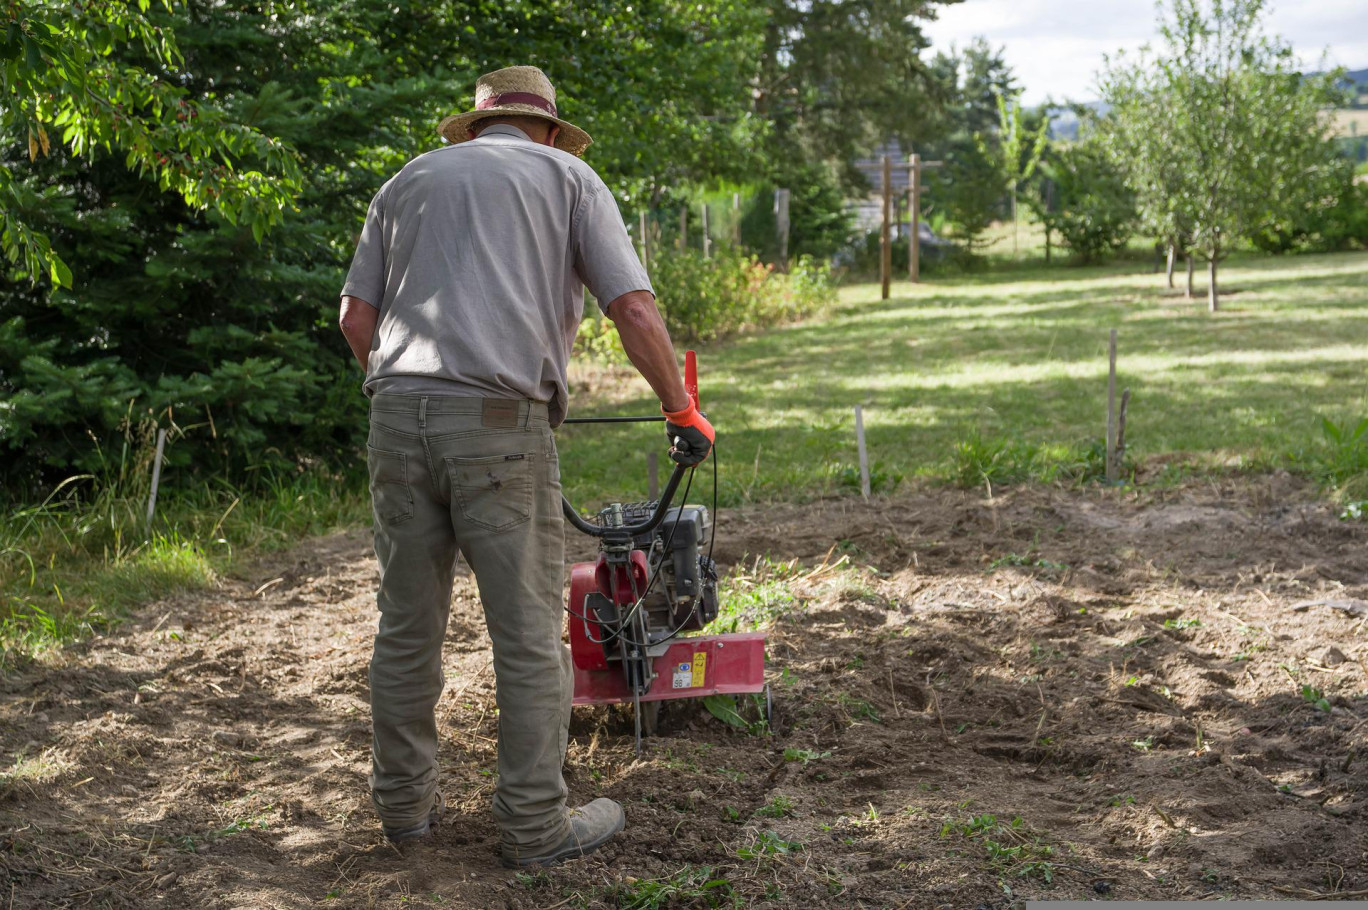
(1050, 693)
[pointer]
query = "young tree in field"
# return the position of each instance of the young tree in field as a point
(1218, 131)
(1016, 153)
(1084, 198)
(66, 92)
(968, 191)
(1138, 134)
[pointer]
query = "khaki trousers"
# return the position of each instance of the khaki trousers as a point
(478, 477)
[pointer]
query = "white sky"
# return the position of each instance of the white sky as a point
(1055, 47)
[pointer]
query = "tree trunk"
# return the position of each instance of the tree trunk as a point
(1172, 255)
(1015, 251)
(1189, 284)
(1047, 246)
(1213, 299)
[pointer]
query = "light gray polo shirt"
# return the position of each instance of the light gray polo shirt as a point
(477, 256)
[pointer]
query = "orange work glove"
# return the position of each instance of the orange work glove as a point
(691, 436)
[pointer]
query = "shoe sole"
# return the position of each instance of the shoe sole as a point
(584, 848)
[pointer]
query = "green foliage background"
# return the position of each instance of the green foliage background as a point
(197, 318)
(183, 183)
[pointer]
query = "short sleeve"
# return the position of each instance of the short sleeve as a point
(366, 278)
(605, 259)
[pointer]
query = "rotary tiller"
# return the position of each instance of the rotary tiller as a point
(653, 581)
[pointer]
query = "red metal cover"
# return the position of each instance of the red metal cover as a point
(587, 654)
(691, 668)
(615, 582)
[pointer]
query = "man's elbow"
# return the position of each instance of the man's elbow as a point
(356, 318)
(634, 312)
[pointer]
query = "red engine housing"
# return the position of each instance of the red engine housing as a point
(692, 667)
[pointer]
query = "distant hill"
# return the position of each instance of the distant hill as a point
(1358, 77)
(1358, 80)
(1064, 122)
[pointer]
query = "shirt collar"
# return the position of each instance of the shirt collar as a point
(504, 129)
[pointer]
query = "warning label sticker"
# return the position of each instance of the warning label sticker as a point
(683, 676)
(700, 666)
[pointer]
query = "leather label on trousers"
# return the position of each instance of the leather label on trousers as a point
(499, 412)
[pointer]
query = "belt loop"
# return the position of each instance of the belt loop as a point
(422, 412)
(527, 414)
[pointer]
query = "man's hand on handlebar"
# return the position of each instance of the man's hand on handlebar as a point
(691, 436)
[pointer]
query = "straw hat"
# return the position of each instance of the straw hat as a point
(522, 91)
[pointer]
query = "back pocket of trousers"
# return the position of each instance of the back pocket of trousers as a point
(389, 486)
(493, 491)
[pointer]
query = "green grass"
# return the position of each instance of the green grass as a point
(987, 378)
(1013, 363)
(756, 598)
(699, 886)
(1011, 848)
(779, 806)
(81, 561)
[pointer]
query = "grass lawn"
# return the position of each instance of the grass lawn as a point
(1016, 357)
(1000, 375)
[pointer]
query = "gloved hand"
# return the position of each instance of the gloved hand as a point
(691, 436)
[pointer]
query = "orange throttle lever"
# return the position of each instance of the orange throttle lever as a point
(691, 436)
(691, 376)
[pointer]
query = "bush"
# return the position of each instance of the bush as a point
(705, 299)
(597, 340)
(1340, 225)
(1085, 199)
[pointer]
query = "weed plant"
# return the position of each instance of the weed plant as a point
(1339, 461)
(1011, 848)
(694, 886)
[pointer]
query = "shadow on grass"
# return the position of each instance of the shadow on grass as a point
(1020, 360)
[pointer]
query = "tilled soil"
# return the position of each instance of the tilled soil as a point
(1049, 693)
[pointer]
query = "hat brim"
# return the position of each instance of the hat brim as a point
(571, 138)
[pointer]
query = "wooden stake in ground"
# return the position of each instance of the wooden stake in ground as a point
(914, 194)
(781, 225)
(864, 453)
(1111, 410)
(707, 238)
(886, 238)
(1121, 428)
(156, 475)
(914, 220)
(736, 219)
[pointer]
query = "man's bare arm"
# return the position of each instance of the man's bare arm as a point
(358, 319)
(647, 344)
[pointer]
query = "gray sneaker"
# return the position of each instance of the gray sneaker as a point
(420, 829)
(591, 827)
